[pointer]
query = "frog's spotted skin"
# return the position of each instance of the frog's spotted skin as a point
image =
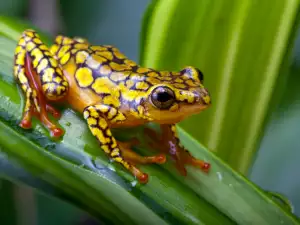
(53, 83)
(101, 68)
(111, 91)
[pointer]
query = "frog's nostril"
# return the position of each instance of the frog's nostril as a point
(202, 97)
(205, 97)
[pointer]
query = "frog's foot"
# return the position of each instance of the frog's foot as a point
(55, 113)
(134, 158)
(26, 120)
(182, 157)
(43, 117)
(36, 104)
(169, 143)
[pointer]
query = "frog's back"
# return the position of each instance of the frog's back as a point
(90, 56)
(103, 64)
(98, 73)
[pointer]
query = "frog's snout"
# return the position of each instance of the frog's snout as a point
(203, 97)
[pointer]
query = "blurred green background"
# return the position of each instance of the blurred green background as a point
(277, 163)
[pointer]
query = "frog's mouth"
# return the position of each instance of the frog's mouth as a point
(187, 110)
(202, 102)
(183, 111)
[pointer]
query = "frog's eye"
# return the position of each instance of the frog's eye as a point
(162, 97)
(200, 75)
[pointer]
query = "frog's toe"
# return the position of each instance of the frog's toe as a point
(25, 123)
(182, 159)
(160, 158)
(26, 120)
(135, 158)
(188, 159)
(55, 113)
(56, 132)
(142, 177)
(204, 166)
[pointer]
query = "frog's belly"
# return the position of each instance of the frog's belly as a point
(79, 98)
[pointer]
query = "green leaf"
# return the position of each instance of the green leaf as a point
(7, 208)
(76, 166)
(240, 47)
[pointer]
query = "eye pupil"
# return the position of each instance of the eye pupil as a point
(163, 97)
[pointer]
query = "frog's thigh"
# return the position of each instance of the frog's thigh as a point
(40, 78)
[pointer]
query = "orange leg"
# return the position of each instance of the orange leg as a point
(134, 158)
(39, 108)
(41, 79)
(169, 143)
(55, 113)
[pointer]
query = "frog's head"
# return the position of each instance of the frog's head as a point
(181, 95)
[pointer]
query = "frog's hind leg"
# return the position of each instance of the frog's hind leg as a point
(41, 80)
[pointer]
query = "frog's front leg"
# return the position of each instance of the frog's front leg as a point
(98, 119)
(40, 78)
(169, 143)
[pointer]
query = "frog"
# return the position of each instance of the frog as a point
(109, 91)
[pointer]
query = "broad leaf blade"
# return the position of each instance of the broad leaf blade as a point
(77, 166)
(240, 48)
